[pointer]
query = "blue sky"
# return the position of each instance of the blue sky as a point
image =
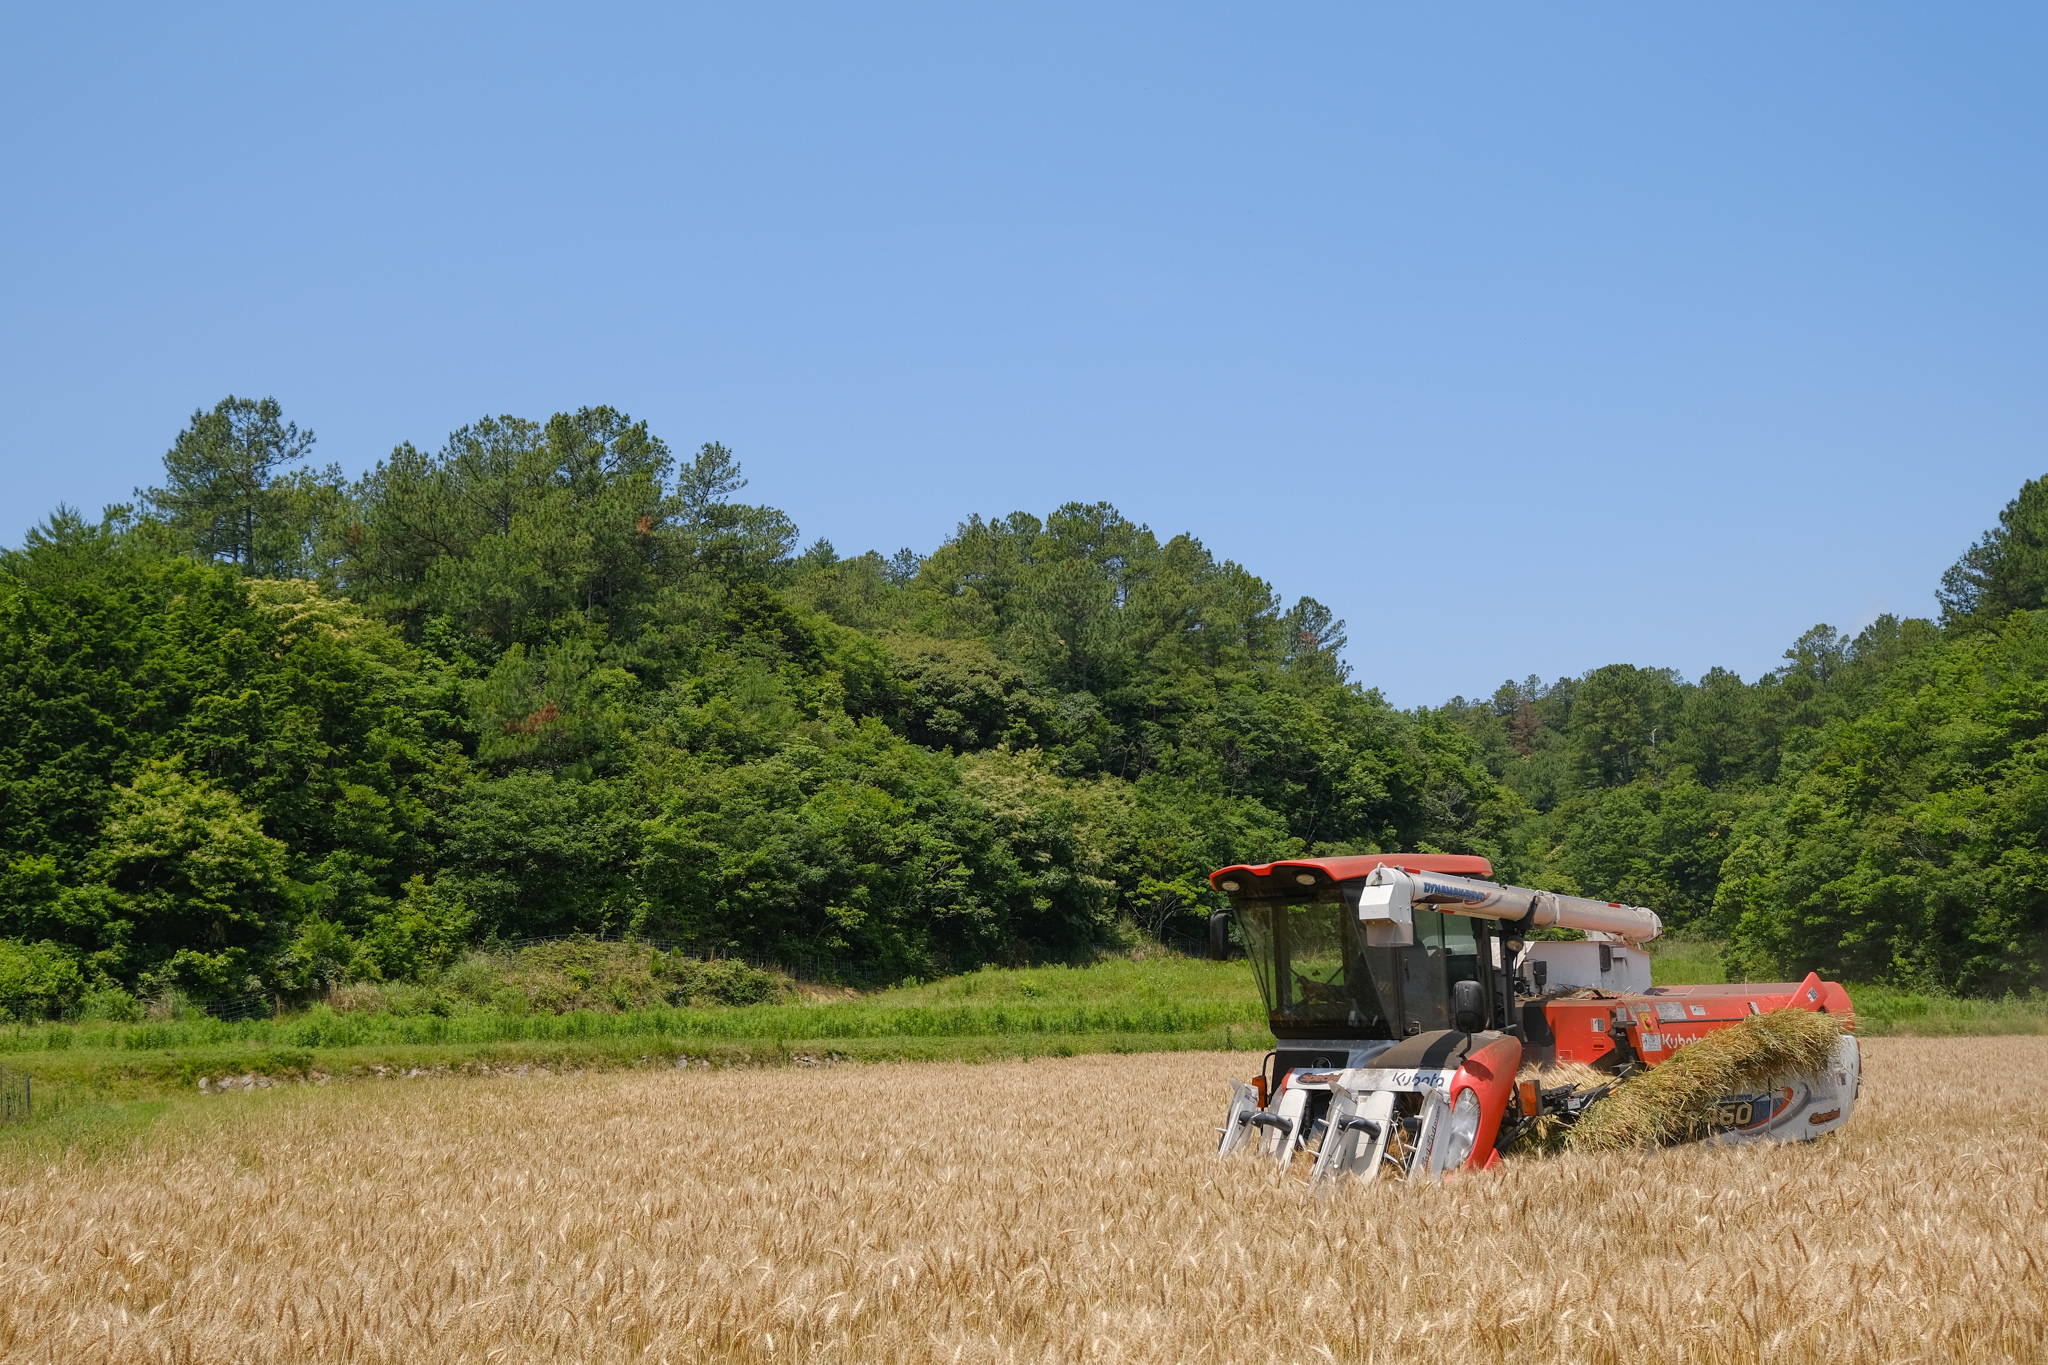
(1529, 339)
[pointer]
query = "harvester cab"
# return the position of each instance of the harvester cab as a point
(1413, 1014)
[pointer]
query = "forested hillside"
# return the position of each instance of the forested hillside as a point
(1873, 809)
(267, 729)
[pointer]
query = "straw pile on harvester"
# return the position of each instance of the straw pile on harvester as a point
(1679, 1100)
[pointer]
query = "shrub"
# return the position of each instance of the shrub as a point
(170, 1005)
(723, 982)
(474, 978)
(184, 861)
(284, 1061)
(563, 976)
(417, 937)
(38, 980)
(321, 955)
(408, 999)
(110, 1003)
(357, 997)
(585, 974)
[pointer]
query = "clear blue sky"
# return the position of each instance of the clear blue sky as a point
(1529, 338)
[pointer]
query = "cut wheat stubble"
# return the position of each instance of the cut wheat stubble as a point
(1049, 1210)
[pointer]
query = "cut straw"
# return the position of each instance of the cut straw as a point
(1676, 1101)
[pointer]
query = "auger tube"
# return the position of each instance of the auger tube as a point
(1390, 891)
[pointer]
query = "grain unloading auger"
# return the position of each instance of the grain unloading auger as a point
(1406, 998)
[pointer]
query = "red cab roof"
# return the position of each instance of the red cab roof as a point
(1350, 869)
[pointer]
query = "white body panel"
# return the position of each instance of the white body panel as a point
(1365, 1091)
(1244, 1102)
(1348, 1152)
(1578, 964)
(1797, 1107)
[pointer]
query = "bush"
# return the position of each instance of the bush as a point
(320, 957)
(169, 1005)
(559, 977)
(721, 982)
(357, 997)
(183, 861)
(38, 981)
(408, 1000)
(586, 974)
(416, 938)
(110, 1003)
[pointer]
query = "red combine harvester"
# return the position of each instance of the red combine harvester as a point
(1406, 997)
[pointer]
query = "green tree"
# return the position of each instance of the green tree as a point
(1906, 844)
(1659, 844)
(958, 695)
(191, 890)
(2007, 569)
(517, 532)
(517, 528)
(1315, 641)
(229, 496)
(738, 540)
(1719, 733)
(421, 934)
(1619, 714)
(344, 744)
(38, 981)
(574, 685)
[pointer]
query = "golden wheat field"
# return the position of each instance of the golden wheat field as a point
(1045, 1210)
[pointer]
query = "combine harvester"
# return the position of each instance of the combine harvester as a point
(1406, 998)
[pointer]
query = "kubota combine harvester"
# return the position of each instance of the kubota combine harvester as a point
(1406, 995)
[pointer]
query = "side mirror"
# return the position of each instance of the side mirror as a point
(1219, 936)
(1468, 1006)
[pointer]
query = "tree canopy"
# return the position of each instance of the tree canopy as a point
(2007, 569)
(270, 729)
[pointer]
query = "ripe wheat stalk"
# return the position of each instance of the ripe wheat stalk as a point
(1039, 1211)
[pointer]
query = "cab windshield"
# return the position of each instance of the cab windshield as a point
(1321, 980)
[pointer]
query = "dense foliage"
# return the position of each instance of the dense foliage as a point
(270, 730)
(1874, 809)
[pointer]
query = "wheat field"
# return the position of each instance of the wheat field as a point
(1053, 1210)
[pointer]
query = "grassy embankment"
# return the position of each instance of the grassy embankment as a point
(572, 1020)
(1146, 1004)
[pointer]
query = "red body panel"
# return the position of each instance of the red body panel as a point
(1583, 1028)
(1658, 1022)
(1489, 1073)
(1348, 869)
